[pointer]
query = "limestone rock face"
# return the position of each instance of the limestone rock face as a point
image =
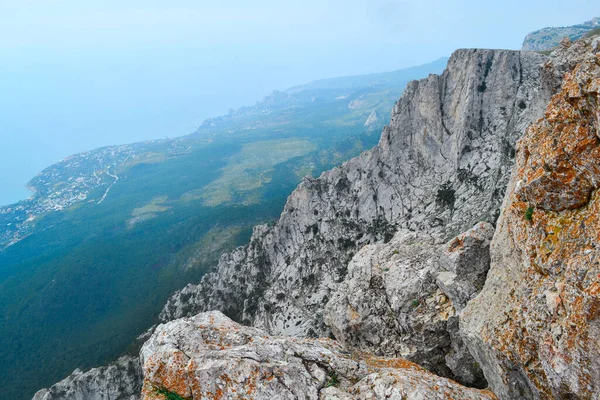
(440, 167)
(211, 357)
(392, 303)
(119, 381)
(389, 303)
(535, 327)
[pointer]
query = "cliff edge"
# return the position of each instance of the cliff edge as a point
(389, 253)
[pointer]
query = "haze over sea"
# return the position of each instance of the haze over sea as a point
(78, 75)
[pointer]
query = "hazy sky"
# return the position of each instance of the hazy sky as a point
(78, 74)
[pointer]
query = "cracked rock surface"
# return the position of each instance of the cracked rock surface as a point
(211, 357)
(118, 381)
(392, 302)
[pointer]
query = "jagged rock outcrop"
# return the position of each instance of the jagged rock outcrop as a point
(402, 298)
(389, 303)
(463, 264)
(535, 326)
(211, 357)
(118, 381)
(548, 38)
(440, 167)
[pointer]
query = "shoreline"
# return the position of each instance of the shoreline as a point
(26, 193)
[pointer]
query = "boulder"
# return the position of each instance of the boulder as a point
(209, 356)
(402, 299)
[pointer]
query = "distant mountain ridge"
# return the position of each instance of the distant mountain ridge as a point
(548, 38)
(327, 90)
(384, 78)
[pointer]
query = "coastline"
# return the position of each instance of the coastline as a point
(24, 193)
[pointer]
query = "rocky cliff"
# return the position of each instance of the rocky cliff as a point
(118, 381)
(548, 38)
(389, 254)
(440, 167)
(209, 356)
(535, 327)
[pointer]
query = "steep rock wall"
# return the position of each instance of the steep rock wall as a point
(535, 327)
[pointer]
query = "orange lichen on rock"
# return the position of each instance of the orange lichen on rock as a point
(172, 375)
(455, 244)
(559, 175)
(180, 357)
(560, 166)
(382, 362)
(536, 327)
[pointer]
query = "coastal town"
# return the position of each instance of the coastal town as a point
(73, 180)
(87, 176)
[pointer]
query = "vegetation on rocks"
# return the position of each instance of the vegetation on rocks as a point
(529, 213)
(168, 395)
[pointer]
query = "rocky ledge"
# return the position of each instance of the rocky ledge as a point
(118, 381)
(211, 357)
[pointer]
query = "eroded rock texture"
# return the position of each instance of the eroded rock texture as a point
(393, 303)
(119, 381)
(211, 357)
(535, 327)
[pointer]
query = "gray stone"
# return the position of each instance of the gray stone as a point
(465, 261)
(392, 304)
(210, 356)
(121, 380)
